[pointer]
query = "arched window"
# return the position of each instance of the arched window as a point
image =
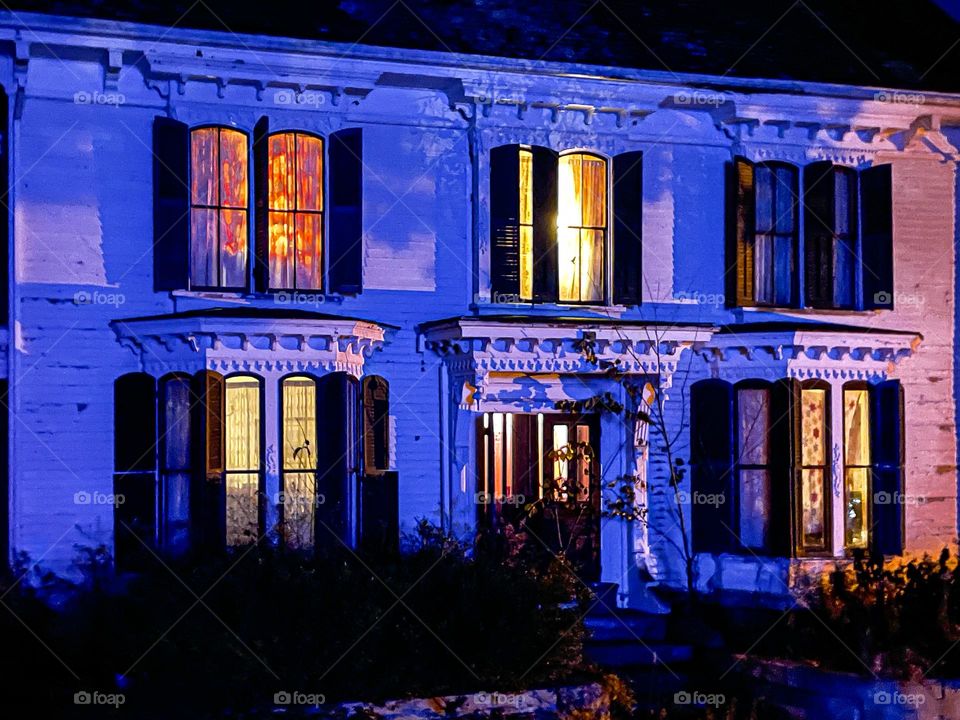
(298, 482)
(219, 185)
(581, 226)
(243, 425)
(295, 200)
(857, 461)
(813, 491)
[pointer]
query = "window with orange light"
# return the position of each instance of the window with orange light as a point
(219, 187)
(581, 226)
(295, 207)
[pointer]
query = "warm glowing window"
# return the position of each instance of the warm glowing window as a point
(814, 469)
(242, 426)
(295, 211)
(581, 226)
(299, 481)
(856, 444)
(218, 208)
(526, 224)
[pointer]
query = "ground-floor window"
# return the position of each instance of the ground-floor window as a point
(299, 472)
(762, 466)
(243, 472)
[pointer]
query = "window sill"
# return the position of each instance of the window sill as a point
(550, 308)
(808, 311)
(274, 297)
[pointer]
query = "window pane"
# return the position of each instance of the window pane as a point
(583, 463)
(233, 248)
(242, 507)
(813, 403)
(233, 168)
(754, 502)
(526, 187)
(594, 192)
(569, 210)
(561, 439)
(812, 508)
(568, 259)
(591, 265)
(785, 192)
(498, 453)
(281, 171)
(176, 424)
(309, 244)
(243, 423)
(753, 414)
(843, 272)
(763, 183)
(842, 201)
(856, 426)
(281, 250)
(783, 271)
(309, 173)
(299, 501)
(526, 262)
(299, 423)
(857, 521)
(203, 248)
(763, 269)
(204, 159)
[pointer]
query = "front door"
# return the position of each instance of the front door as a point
(541, 473)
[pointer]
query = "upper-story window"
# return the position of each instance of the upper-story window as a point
(843, 259)
(308, 218)
(550, 217)
(219, 184)
(295, 206)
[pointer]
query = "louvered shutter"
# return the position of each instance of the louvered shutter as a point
(345, 203)
(711, 454)
(628, 228)
(887, 452)
(741, 198)
(171, 204)
(338, 456)
(784, 449)
(505, 221)
(545, 272)
(376, 424)
(261, 191)
(819, 225)
(135, 462)
(876, 222)
(208, 500)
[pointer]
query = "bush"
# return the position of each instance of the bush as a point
(231, 631)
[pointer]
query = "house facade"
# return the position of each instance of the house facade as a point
(267, 290)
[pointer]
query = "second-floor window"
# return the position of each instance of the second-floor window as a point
(551, 214)
(842, 259)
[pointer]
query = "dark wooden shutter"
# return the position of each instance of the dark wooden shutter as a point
(505, 220)
(4, 474)
(135, 462)
(628, 228)
(545, 272)
(171, 204)
(819, 222)
(886, 452)
(711, 455)
(380, 514)
(345, 269)
(337, 456)
(376, 424)
(784, 457)
(261, 189)
(876, 222)
(741, 199)
(208, 499)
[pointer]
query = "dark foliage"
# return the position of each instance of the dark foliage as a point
(229, 632)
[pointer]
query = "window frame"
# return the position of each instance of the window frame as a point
(800, 549)
(738, 466)
(794, 237)
(162, 470)
(219, 208)
(858, 385)
(604, 294)
(323, 213)
(281, 465)
(261, 471)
